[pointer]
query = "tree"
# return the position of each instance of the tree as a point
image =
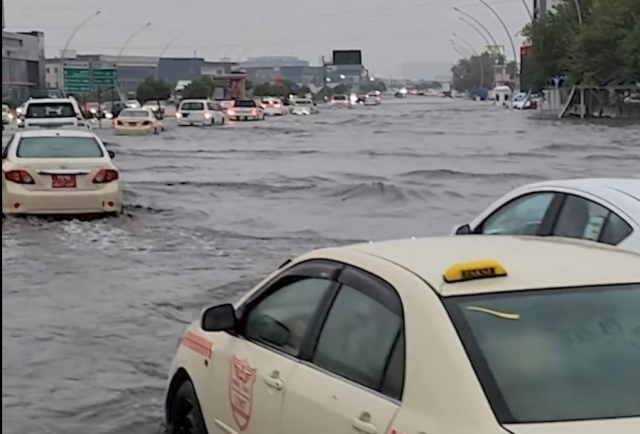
(372, 86)
(604, 48)
(427, 85)
(201, 88)
(467, 76)
(152, 89)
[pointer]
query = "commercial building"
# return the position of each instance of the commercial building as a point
(23, 64)
(131, 70)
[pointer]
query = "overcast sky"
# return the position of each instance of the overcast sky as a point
(389, 32)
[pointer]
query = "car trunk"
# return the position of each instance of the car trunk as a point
(603, 426)
(65, 175)
(135, 122)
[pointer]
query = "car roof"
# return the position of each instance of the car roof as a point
(600, 186)
(57, 133)
(531, 262)
(49, 100)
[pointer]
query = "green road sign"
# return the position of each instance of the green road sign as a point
(104, 77)
(76, 80)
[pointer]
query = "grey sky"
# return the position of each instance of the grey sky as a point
(389, 32)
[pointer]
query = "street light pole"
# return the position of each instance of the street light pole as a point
(506, 29)
(473, 50)
(125, 45)
(482, 35)
(579, 9)
(164, 50)
(77, 29)
(486, 41)
(475, 20)
(526, 6)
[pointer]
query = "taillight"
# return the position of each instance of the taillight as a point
(178, 115)
(146, 123)
(277, 105)
(117, 122)
(207, 116)
(254, 111)
(19, 177)
(105, 176)
(231, 111)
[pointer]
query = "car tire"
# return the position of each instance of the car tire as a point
(185, 412)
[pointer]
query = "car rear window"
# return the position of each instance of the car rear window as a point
(59, 147)
(302, 102)
(134, 114)
(44, 110)
(339, 97)
(187, 106)
(248, 103)
(555, 355)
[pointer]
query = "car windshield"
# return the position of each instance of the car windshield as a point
(134, 114)
(187, 106)
(50, 110)
(554, 355)
(59, 147)
(248, 103)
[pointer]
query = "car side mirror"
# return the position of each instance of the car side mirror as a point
(272, 331)
(219, 318)
(112, 154)
(464, 229)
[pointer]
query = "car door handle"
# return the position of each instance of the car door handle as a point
(363, 424)
(274, 381)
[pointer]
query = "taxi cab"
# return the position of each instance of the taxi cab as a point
(453, 335)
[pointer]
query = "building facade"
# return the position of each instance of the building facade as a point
(23, 65)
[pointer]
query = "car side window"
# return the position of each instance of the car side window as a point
(522, 216)
(360, 342)
(281, 319)
(583, 219)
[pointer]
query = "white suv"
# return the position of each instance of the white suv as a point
(51, 113)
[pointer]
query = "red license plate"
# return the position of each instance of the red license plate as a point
(63, 181)
(133, 124)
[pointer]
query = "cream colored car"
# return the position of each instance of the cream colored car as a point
(455, 335)
(137, 121)
(59, 172)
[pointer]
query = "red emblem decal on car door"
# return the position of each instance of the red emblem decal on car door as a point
(241, 381)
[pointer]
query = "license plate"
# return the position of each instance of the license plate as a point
(242, 118)
(63, 181)
(133, 124)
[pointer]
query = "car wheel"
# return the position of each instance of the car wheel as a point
(185, 413)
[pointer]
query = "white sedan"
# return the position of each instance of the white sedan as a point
(450, 335)
(303, 106)
(50, 172)
(273, 106)
(602, 210)
(137, 121)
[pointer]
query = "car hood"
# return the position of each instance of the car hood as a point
(609, 426)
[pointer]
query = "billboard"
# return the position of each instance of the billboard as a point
(347, 57)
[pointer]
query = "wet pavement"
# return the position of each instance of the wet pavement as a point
(92, 311)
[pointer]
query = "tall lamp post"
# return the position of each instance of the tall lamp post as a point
(506, 29)
(71, 36)
(475, 52)
(526, 6)
(126, 44)
(485, 40)
(164, 50)
(482, 26)
(77, 29)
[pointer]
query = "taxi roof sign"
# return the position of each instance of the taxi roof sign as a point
(466, 271)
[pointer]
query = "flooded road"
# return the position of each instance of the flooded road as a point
(92, 311)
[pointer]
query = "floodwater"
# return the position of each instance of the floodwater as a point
(91, 311)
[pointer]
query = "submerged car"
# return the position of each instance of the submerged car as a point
(273, 106)
(303, 106)
(602, 210)
(245, 110)
(63, 172)
(448, 335)
(200, 112)
(139, 121)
